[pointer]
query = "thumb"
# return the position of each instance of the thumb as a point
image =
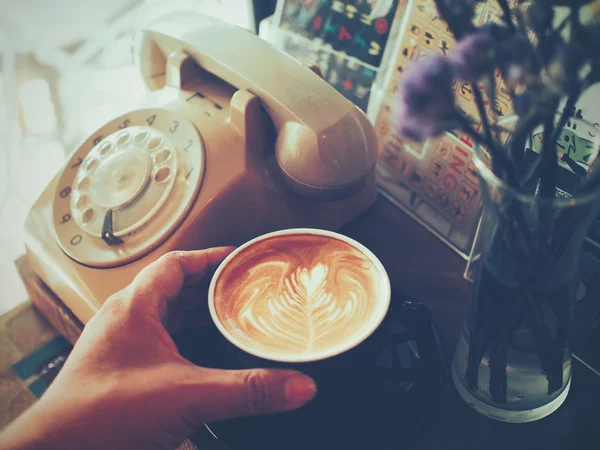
(225, 394)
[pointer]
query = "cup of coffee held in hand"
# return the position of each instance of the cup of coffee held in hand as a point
(306, 299)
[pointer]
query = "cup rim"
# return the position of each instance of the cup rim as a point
(334, 351)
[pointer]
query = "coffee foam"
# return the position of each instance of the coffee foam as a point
(300, 295)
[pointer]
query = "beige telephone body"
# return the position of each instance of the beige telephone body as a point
(236, 139)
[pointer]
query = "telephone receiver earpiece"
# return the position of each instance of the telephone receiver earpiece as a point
(325, 148)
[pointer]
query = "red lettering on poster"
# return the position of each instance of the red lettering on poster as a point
(381, 25)
(457, 164)
(450, 182)
(461, 150)
(343, 34)
(467, 141)
(317, 22)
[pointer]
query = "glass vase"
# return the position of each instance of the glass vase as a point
(512, 362)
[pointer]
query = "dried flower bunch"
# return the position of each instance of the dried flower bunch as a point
(546, 64)
(538, 65)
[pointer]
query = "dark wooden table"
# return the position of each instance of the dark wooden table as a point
(432, 273)
(417, 262)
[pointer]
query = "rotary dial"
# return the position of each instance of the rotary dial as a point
(128, 187)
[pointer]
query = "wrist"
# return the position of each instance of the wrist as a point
(29, 431)
(53, 422)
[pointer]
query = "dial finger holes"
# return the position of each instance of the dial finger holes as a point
(162, 175)
(106, 147)
(123, 138)
(82, 202)
(154, 143)
(84, 184)
(162, 156)
(88, 216)
(141, 137)
(91, 165)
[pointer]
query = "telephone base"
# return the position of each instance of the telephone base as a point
(84, 289)
(47, 302)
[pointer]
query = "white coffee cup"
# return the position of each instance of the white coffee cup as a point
(375, 314)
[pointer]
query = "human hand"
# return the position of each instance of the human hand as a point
(126, 386)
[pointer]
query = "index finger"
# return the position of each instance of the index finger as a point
(161, 281)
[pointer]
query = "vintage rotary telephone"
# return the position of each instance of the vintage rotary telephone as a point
(236, 139)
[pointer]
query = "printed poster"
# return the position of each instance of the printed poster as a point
(345, 39)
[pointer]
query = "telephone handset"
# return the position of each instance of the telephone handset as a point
(325, 144)
(235, 139)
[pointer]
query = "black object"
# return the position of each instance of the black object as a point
(394, 382)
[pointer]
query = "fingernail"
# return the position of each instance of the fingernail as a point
(299, 389)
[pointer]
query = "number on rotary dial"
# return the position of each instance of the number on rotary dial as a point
(114, 202)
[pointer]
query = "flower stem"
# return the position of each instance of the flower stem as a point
(520, 21)
(506, 167)
(548, 161)
(507, 14)
(497, 153)
(547, 187)
(550, 363)
(508, 241)
(510, 317)
(561, 26)
(575, 22)
(482, 115)
(561, 301)
(518, 143)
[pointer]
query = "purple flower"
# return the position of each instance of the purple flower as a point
(458, 14)
(492, 46)
(417, 127)
(515, 56)
(425, 107)
(496, 31)
(539, 17)
(515, 49)
(548, 46)
(473, 56)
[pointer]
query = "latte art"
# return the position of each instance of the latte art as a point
(298, 294)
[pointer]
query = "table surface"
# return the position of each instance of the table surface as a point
(420, 264)
(432, 273)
